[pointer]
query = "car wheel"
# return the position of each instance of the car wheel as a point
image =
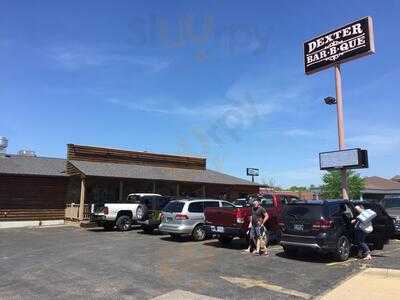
(174, 236)
(199, 233)
(378, 245)
(141, 212)
(290, 250)
(342, 251)
(225, 240)
(124, 223)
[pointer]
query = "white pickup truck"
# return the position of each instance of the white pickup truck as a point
(121, 215)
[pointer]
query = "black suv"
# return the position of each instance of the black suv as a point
(148, 212)
(325, 226)
(392, 206)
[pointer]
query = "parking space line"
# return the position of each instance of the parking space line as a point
(180, 294)
(342, 262)
(249, 283)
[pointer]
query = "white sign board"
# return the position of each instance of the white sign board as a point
(252, 172)
(350, 159)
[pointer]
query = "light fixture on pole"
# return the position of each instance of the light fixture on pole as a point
(330, 100)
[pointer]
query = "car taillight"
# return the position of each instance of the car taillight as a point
(162, 216)
(181, 217)
(239, 217)
(322, 224)
(105, 210)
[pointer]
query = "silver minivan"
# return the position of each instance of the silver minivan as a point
(186, 217)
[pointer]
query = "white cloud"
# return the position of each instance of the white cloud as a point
(297, 132)
(232, 113)
(79, 57)
(386, 141)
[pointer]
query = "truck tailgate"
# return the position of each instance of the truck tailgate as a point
(224, 216)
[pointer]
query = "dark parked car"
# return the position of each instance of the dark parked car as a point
(392, 207)
(149, 210)
(325, 226)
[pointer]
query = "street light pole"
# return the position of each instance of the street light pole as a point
(340, 122)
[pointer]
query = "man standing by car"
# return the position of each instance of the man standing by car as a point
(257, 212)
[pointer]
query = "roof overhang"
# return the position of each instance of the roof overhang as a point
(154, 173)
(376, 191)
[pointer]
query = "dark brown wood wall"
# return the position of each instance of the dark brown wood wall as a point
(32, 198)
(97, 154)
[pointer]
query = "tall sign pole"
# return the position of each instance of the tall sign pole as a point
(340, 123)
(331, 49)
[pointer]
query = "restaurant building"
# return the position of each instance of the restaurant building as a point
(41, 190)
(376, 188)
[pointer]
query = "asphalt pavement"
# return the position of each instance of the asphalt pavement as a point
(76, 263)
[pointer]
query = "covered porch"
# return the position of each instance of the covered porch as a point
(97, 183)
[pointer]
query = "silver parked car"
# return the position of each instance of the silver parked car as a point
(186, 217)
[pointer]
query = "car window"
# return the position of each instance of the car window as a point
(134, 199)
(391, 203)
(161, 202)
(148, 201)
(267, 202)
(196, 207)
(211, 204)
(304, 211)
(226, 204)
(284, 200)
(241, 202)
(174, 207)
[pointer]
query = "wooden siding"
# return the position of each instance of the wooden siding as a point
(97, 154)
(31, 214)
(32, 198)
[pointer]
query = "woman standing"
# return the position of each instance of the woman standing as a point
(361, 229)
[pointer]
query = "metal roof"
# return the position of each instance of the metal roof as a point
(25, 165)
(134, 171)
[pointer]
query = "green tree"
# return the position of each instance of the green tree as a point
(295, 188)
(331, 187)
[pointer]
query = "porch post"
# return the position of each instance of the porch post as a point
(204, 190)
(82, 199)
(121, 191)
(154, 187)
(177, 189)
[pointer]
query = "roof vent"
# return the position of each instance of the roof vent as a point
(28, 153)
(3, 145)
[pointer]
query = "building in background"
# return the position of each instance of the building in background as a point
(376, 188)
(40, 190)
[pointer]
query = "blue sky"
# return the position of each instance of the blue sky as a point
(220, 79)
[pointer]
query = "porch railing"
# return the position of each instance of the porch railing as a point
(72, 212)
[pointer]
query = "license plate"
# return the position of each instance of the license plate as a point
(219, 229)
(298, 227)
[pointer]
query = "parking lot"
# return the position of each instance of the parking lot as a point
(71, 262)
